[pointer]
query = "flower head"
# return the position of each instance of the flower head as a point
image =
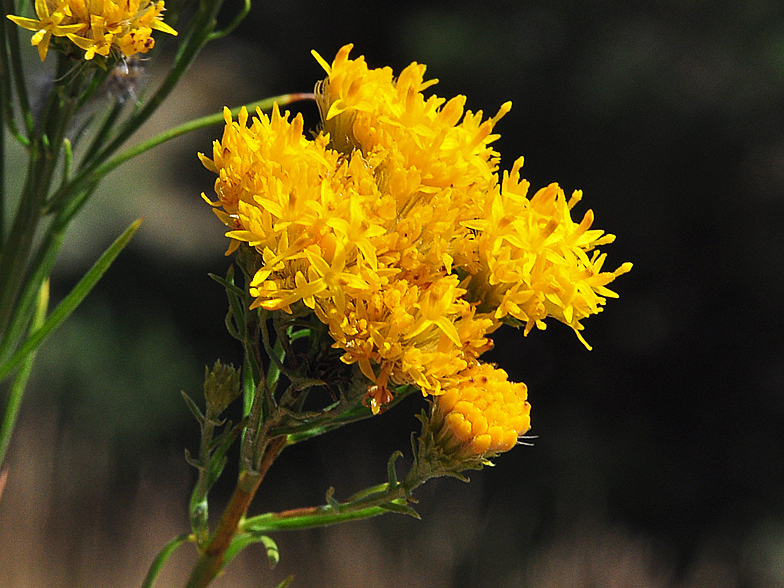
(483, 414)
(96, 26)
(393, 227)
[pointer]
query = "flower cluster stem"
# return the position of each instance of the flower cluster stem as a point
(211, 561)
(322, 516)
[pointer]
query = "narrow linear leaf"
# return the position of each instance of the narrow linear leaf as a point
(161, 558)
(197, 463)
(71, 301)
(400, 508)
(334, 504)
(234, 23)
(229, 285)
(391, 472)
(286, 582)
(273, 554)
(241, 541)
(193, 408)
(190, 126)
(11, 412)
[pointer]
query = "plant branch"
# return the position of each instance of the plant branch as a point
(212, 559)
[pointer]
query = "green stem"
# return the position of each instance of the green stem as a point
(234, 23)
(212, 560)
(15, 60)
(341, 415)
(319, 516)
(17, 389)
(16, 250)
(3, 116)
(160, 559)
(40, 268)
(190, 126)
(101, 135)
(44, 154)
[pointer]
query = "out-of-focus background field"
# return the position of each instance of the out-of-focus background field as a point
(659, 460)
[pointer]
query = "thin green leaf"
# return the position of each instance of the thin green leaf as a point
(191, 461)
(188, 127)
(193, 408)
(228, 281)
(70, 302)
(334, 504)
(160, 559)
(402, 508)
(17, 390)
(67, 159)
(391, 473)
(286, 582)
(241, 541)
(273, 554)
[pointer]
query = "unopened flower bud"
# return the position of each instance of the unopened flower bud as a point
(221, 387)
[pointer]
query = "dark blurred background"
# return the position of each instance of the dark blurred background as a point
(660, 454)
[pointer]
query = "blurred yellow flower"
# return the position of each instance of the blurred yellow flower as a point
(393, 227)
(97, 26)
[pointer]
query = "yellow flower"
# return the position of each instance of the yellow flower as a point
(96, 26)
(49, 23)
(530, 260)
(392, 226)
(483, 415)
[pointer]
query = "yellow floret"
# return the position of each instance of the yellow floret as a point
(98, 26)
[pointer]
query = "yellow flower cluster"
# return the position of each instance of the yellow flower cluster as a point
(485, 413)
(97, 26)
(393, 227)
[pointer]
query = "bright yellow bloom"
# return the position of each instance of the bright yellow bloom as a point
(97, 26)
(393, 227)
(484, 414)
(530, 260)
(332, 241)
